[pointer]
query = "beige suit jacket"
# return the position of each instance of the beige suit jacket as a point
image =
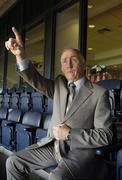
(89, 116)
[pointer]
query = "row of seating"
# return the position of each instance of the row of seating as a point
(24, 101)
(24, 118)
(29, 134)
(17, 134)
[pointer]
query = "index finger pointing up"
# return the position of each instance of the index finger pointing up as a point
(17, 36)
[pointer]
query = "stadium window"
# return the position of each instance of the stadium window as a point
(1, 66)
(12, 76)
(67, 32)
(104, 45)
(34, 45)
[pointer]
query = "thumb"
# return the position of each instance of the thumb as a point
(60, 125)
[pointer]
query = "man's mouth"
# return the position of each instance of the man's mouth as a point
(70, 71)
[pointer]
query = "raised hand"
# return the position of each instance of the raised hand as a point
(15, 45)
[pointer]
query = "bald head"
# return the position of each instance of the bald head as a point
(72, 64)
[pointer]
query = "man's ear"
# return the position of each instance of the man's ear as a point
(83, 65)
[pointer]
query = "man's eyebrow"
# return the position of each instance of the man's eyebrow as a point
(69, 57)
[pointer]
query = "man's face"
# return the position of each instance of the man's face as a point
(71, 65)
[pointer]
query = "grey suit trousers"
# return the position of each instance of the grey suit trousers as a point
(80, 166)
(22, 163)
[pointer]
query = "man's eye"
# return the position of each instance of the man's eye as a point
(74, 59)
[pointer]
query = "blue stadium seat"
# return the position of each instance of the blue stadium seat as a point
(14, 102)
(3, 116)
(8, 128)
(24, 102)
(110, 84)
(37, 102)
(1, 99)
(114, 87)
(42, 131)
(6, 100)
(119, 165)
(25, 132)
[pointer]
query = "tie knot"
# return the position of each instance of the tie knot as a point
(72, 87)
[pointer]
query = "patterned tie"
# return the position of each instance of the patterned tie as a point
(71, 95)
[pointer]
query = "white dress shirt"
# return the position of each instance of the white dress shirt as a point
(22, 65)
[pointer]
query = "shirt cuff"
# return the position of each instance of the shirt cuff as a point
(22, 65)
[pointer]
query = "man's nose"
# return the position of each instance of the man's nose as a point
(69, 63)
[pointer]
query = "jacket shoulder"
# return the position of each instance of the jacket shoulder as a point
(99, 89)
(60, 78)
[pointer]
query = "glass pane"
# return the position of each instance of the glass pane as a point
(104, 40)
(67, 32)
(1, 66)
(34, 44)
(12, 76)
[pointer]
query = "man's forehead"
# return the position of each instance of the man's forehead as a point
(69, 52)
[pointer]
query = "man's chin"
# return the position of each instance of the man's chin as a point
(70, 78)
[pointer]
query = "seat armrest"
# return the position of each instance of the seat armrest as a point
(30, 129)
(10, 124)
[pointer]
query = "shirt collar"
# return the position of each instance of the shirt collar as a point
(78, 83)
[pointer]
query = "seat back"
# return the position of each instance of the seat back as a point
(3, 115)
(46, 120)
(119, 165)
(114, 87)
(8, 128)
(15, 101)
(6, 100)
(25, 132)
(14, 115)
(110, 83)
(1, 99)
(24, 102)
(37, 101)
(41, 132)
(32, 118)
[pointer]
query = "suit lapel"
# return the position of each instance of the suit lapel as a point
(63, 99)
(81, 97)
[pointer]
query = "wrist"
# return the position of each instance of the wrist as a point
(20, 57)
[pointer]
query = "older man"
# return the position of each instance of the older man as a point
(80, 122)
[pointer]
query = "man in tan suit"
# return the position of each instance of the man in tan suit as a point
(73, 134)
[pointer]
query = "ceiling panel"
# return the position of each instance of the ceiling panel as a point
(106, 37)
(5, 5)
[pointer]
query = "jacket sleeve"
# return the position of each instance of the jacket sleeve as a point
(37, 81)
(101, 134)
